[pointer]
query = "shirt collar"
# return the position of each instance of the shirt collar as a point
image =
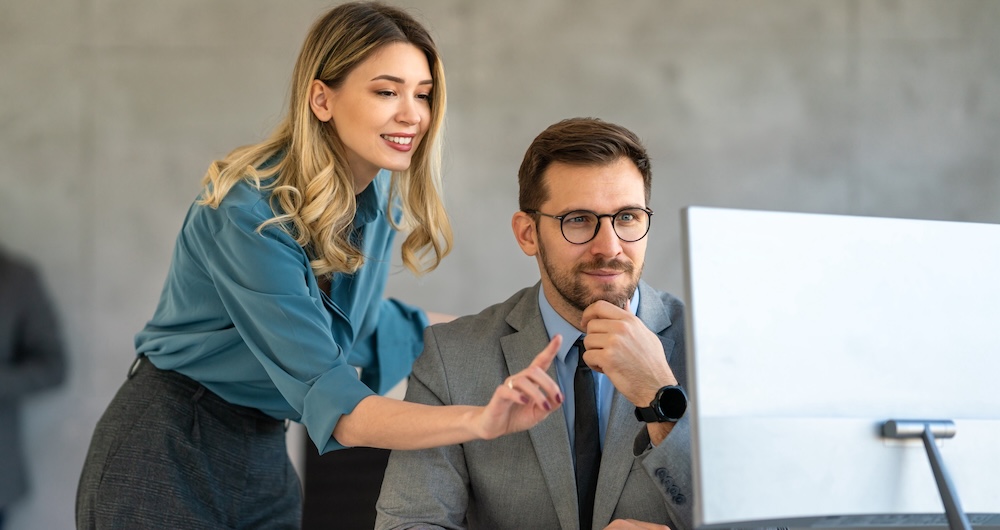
(555, 324)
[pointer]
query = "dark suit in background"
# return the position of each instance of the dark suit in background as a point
(31, 359)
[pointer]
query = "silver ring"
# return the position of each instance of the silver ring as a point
(510, 383)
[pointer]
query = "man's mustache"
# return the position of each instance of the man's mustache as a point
(614, 265)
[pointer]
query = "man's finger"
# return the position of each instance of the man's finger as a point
(602, 309)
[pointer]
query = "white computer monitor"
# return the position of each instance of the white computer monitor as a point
(806, 333)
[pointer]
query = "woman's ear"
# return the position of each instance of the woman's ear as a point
(321, 100)
(525, 233)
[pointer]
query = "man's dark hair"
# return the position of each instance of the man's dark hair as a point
(577, 141)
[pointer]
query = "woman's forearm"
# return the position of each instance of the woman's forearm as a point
(392, 424)
(523, 400)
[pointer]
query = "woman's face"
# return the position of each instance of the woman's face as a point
(382, 110)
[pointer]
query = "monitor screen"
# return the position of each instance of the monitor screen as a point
(806, 333)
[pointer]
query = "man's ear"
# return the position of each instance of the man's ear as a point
(525, 233)
(321, 100)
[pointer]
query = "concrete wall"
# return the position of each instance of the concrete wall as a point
(110, 111)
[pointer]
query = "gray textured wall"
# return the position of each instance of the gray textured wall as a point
(110, 111)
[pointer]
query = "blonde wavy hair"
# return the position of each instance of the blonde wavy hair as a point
(313, 189)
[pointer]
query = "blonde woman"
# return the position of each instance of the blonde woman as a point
(275, 294)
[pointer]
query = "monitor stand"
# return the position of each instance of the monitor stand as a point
(926, 429)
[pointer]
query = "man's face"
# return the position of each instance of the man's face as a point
(605, 268)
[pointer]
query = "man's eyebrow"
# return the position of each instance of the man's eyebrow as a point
(634, 206)
(400, 80)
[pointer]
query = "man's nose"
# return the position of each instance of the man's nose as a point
(606, 242)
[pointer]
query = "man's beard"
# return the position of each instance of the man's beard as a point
(572, 288)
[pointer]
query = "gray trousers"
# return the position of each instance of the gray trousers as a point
(168, 453)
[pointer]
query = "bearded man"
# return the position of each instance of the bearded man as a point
(619, 454)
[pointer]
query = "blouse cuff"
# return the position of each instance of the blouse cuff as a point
(334, 394)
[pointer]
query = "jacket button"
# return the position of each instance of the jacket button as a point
(665, 480)
(679, 499)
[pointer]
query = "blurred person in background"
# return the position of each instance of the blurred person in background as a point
(31, 359)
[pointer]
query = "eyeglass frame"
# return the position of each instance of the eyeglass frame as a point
(597, 226)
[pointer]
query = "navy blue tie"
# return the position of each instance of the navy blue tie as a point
(587, 438)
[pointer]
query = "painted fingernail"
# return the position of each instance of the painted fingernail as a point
(524, 400)
(547, 406)
(559, 398)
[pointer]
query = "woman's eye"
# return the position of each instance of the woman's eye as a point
(425, 97)
(385, 93)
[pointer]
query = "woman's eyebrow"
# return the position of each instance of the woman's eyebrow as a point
(400, 80)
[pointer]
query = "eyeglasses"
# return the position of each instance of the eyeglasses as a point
(581, 226)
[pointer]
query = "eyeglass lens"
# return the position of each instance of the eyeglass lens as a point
(582, 226)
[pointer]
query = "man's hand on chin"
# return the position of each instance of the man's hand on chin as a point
(623, 348)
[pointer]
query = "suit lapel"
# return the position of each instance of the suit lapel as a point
(549, 438)
(617, 458)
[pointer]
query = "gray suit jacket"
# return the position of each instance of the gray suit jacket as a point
(31, 358)
(526, 480)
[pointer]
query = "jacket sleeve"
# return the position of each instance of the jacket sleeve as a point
(38, 360)
(669, 467)
(669, 463)
(427, 488)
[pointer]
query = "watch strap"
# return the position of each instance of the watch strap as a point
(646, 414)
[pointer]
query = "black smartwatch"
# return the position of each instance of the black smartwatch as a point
(668, 405)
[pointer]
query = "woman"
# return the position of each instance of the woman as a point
(275, 292)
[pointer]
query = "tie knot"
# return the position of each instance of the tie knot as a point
(580, 348)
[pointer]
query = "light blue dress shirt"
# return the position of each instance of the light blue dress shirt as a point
(566, 361)
(241, 312)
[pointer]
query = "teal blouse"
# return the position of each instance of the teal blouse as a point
(241, 313)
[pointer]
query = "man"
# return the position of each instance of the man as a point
(584, 195)
(31, 359)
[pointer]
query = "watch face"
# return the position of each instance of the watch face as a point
(672, 403)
